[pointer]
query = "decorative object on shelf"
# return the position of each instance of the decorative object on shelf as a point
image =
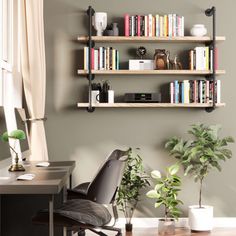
(141, 64)
(160, 59)
(96, 88)
(175, 64)
(133, 181)
(112, 30)
(102, 93)
(198, 30)
(14, 135)
(198, 157)
(100, 22)
(141, 52)
(166, 193)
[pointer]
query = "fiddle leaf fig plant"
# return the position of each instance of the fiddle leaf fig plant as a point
(166, 191)
(201, 154)
(133, 181)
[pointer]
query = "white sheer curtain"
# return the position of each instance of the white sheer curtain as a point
(34, 72)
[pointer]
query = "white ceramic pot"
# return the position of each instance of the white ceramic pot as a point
(198, 30)
(200, 219)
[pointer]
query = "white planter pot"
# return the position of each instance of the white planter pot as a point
(198, 30)
(200, 219)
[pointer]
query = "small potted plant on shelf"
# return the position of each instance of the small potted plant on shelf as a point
(15, 135)
(198, 157)
(166, 192)
(133, 181)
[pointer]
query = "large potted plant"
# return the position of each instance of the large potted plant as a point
(199, 156)
(133, 181)
(14, 135)
(166, 194)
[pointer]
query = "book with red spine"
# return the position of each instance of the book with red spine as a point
(139, 26)
(126, 25)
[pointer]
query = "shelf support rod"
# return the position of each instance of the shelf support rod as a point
(90, 13)
(211, 12)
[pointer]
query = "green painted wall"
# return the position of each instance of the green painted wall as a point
(88, 138)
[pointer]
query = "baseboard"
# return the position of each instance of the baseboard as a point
(219, 222)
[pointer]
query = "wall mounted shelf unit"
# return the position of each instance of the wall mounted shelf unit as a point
(150, 72)
(137, 39)
(149, 105)
(209, 75)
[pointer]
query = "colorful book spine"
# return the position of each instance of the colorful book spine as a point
(150, 25)
(127, 25)
(157, 26)
(170, 25)
(138, 25)
(161, 26)
(165, 25)
(172, 92)
(176, 86)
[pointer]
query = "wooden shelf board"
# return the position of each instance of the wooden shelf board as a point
(150, 72)
(150, 105)
(122, 39)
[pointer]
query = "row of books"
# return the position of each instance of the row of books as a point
(101, 58)
(170, 25)
(195, 91)
(201, 58)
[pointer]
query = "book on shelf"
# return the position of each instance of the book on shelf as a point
(102, 58)
(195, 91)
(201, 58)
(171, 25)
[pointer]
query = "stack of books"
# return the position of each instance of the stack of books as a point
(170, 25)
(195, 91)
(101, 58)
(201, 58)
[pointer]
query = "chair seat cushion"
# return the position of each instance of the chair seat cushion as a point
(85, 212)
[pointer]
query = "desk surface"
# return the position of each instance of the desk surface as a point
(47, 180)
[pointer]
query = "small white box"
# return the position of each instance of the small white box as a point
(141, 65)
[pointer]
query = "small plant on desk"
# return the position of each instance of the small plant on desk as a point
(15, 135)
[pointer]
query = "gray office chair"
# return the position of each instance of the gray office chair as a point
(84, 210)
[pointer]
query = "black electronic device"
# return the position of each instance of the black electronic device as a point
(142, 97)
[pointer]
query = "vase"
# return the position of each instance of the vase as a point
(166, 227)
(200, 219)
(115, 29)
(160, 59)
(128, 227)
(198, 30)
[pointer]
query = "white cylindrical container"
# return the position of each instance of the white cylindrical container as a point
(94, 96)
(198, 30)
(110, 96)
(200, 219)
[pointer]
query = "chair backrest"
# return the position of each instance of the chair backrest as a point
(104, 186)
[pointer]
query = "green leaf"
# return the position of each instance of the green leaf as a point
(153, 194)
(17, 134)
(158, 204)
(5, 137)
(158, 186)
(173, 169)
(156, 174)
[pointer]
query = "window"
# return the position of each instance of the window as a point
(10, 76)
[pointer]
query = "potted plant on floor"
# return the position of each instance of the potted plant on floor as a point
(133, 181)
(14, 135)
(198, 157)
(166, 192)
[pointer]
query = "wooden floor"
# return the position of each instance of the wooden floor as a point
(179, 232)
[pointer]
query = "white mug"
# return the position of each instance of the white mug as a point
(94, 95)
(100, 22)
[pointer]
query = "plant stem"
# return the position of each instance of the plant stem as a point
(200, 193)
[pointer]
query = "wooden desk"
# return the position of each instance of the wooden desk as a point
(47, 181)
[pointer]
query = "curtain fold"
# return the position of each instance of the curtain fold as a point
(33, 66)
